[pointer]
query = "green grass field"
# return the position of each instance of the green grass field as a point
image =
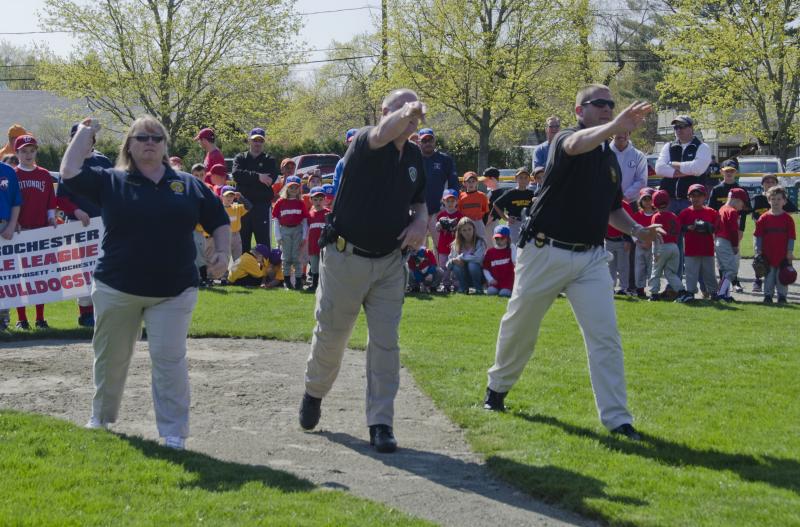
(747, 239)
(713, 388)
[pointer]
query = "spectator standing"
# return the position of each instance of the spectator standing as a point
(10, 204)
(513, 202)
(440, 174)
(551, 127)
(254, 172)
(682, 163)
(207, 139)
(633, 164)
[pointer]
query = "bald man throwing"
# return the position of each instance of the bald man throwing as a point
(379, 211)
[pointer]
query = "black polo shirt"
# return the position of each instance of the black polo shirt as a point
(246, 169)
(148, 248)
(578, 193)
(376, 190)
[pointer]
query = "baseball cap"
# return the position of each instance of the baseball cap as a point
(537, 169)
(449, 193)
(646, 191)
(227, 189)
(24, 140)
(661, 198)
(219, 170)
(501, 231)
(316, 191)
(293, 180)
(697, 187)
(491, 172)
(288, 161)
(683, 119)
(275, 256)
(773, 177)
(175, 159)
(522, 170)
(328, 189)
(731, 164)
(469, 175)
(350, 134)
(205, 133)
(787, 274)
(426, 132)
(740, 194)
(258, 133)
(263, 250)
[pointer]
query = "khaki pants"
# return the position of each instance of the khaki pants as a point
(541, 274)
(432, 229)
(346, 283)
(698, 267)
(118, 326)
(619, 266)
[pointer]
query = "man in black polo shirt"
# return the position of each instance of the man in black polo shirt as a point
(379, 210)
(563, 252)
(254, 172)
(511, 204)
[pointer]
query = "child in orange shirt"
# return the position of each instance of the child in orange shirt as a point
(473, 203)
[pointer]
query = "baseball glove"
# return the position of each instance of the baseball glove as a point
(703, 227)
(760, 266)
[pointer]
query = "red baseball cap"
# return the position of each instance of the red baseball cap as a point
(469, 175)
(288, 161)
(697, 187)
(175, 159)
(206, 133)
(661, 198)
(646, 191)
(219, 170)
(740, 194)
(24, 140)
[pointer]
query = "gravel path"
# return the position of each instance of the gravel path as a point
(245, 399)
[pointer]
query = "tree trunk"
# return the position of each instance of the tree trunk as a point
(483, 140)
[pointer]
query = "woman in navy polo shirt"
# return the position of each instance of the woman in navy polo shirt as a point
(147, 270)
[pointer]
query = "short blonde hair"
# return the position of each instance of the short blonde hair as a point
(777, 189)
(151, 125)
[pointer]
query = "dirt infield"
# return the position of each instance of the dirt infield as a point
(245, 397)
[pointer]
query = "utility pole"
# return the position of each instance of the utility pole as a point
(385, 38)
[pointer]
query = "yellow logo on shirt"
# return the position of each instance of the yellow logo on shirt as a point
(177, 187)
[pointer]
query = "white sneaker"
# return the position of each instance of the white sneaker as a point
(95, 424)
(175, 442)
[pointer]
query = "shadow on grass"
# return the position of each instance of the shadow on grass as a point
(778, 472)
(215, 475)
(469, 477)
(230, 290)
(76, 333)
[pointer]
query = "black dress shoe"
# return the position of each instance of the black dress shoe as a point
(310, 411)
(628, 431)
(382, 438)
(494, 401)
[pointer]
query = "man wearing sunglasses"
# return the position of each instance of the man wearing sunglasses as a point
(682, 163)
(561, 250)
(551, 127)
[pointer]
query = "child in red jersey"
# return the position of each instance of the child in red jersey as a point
(218, 178)
(291, 228)
(446, 222)
(643, 255)
(498, 263)
(666, 255)
(775, 235)
(698, 223)
(726, 243)
(424, 275)
(474, 204)
(316, 221)
(38, 206)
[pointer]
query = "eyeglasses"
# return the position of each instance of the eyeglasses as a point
(679, 126)
(143, 138)
(600, 103)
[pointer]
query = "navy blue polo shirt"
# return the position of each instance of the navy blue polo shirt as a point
(148, 248)
(440, 173)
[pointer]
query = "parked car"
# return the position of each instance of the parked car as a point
(793, 164)
(651, 166)
(326, 163)
(760, 165)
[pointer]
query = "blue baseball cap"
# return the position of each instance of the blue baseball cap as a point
(227, 189)
(258, 133)
(350, 134)
(426, 132)
(293, 180)
(316, 191)
(449, 193)
(328, 189)
(501, 231)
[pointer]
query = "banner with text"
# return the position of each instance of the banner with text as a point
(47, 265)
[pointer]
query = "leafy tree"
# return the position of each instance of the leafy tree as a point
(18, 66)
(189, 63)
(488, 62)
(738, 63)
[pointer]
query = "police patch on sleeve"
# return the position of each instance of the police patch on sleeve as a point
(177, 187)
(412, 174)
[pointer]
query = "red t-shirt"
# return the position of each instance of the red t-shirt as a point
(38, 196)
(775, 233)
(643, 219)
(289, 212)
(316, 221)
(212, 158)
(498, 262)
(429, 261)
(669, 222)
(614, 233)
(728, 227)
(694, 243)
(446, 237)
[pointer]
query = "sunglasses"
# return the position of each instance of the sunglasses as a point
(143, 138)
(679, 126)
(600, 103)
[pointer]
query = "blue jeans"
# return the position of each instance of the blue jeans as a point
(469, 275)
